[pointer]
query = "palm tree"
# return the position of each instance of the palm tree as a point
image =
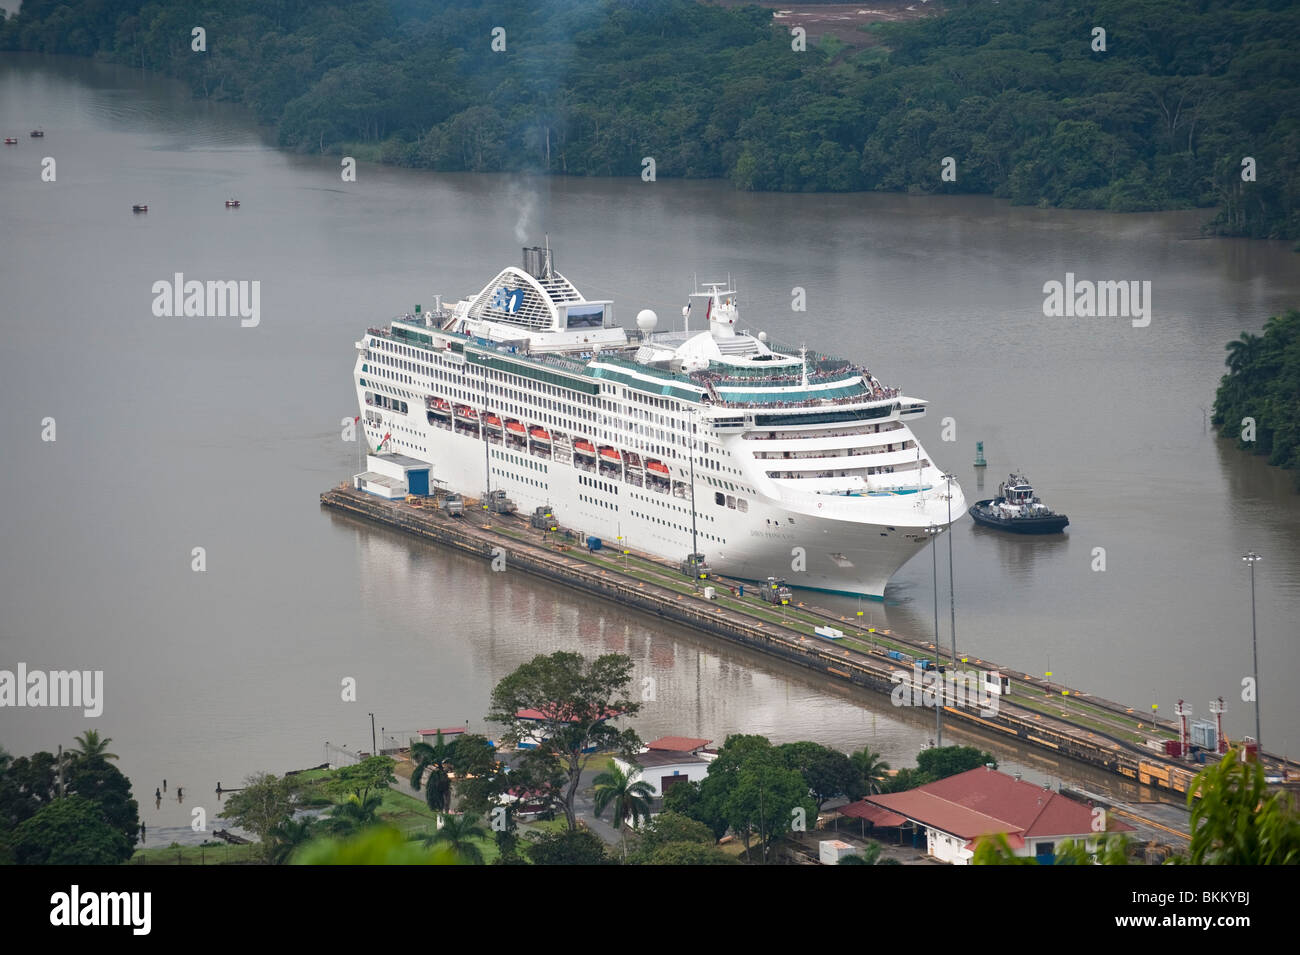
(874, 770)
(438, 760)
(1243, 351)
(629, 800)
(461, 833)
(288, 836)
(353, 814)
(870, 855)
(90, 745)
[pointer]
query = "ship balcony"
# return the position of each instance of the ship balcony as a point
(835, 457)
(808, 467)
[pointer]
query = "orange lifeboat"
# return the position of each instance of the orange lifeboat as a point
(658, 467)
(539, 434)
(492, 421)
(514, 427)
(584, 447)
(610, 455)
(439, 406)
(464, 411)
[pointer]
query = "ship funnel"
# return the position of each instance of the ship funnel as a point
(538, 262)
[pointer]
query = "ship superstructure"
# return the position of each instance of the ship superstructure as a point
(797, 463)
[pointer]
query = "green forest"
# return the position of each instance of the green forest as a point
(1258, 401)
(1017, 92)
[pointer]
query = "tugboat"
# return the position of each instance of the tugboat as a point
(1016, 509)
(140, 208)
(38, 133)
(232, 203)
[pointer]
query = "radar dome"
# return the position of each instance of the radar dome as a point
(762, 336)
(646, 320)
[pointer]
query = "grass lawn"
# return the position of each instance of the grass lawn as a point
(220, 853)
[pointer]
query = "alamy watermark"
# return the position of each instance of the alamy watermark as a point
(83, 688)
(926, 688)
(1087, 299)
(212, 299)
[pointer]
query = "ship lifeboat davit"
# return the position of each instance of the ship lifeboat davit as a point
(539, 435)
(514, 427)
(658, 467)
(584, 447)
(493, 422)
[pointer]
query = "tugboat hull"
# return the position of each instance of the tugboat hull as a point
(1050, 524)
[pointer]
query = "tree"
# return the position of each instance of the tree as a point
(90, 745)
(462, 833)
(363, 778)
(70, 831)
(353, 814)
(629, 800)
(574, 702)
(828, 772)
(381, 845)
(690, 853)
(905, 779)
(436, 759)
(765, 799)
(872, 768)
(870, 855)
(288, 836)
(943, 761)
(105, 785)
(1236, 821)
(265, 802)
(572, 847)
(27, 784)
(669, 828)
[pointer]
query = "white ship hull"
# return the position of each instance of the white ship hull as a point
(831, 547)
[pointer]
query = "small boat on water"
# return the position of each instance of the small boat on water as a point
(139, 208)
(10, 141)
(232, 203)
(1018, 510)
(37, 133)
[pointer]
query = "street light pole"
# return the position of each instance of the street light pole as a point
(933, 531)
(952, 586)
(1252, 559)
(374, 751)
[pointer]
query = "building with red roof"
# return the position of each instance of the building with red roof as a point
(678, 744)
(955, 812)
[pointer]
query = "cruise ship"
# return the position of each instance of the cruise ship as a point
(768, 459)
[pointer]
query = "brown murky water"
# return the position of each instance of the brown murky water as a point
(181, 433)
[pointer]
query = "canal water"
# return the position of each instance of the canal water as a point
(179, 433)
